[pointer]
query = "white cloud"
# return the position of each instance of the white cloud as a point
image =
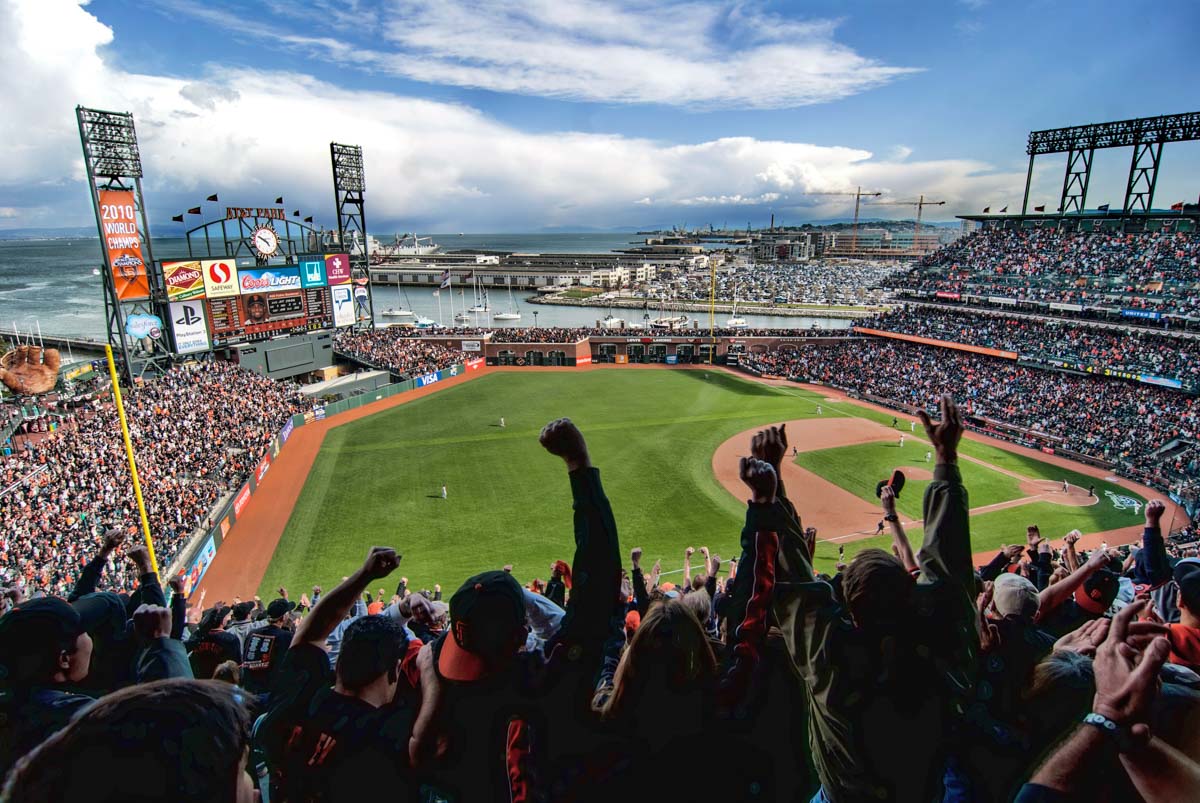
(683, 53)
(252, 135)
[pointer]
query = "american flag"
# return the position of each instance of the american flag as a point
(445, 279)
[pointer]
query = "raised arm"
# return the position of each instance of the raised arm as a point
(89, 578)
(1052, 596)
(687, 566)
(945, 555)
(596, 568)
(887, 499)
(1153, 567)
(1069, 554)
(641, 595)
(333, 607)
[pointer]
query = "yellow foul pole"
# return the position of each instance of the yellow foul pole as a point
(133, 472)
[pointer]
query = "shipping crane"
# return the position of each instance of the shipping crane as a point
(858, 195)
(920, 204)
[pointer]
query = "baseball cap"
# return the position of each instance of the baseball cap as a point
(1187, 577)
(1013, 595)
(39, 626)
(1097, 593)
(896, 482)
(242, 610)
(484, 612)
(279, 607)
(633, 620)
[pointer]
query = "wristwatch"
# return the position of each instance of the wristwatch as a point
(1119, 734)
(891, 517)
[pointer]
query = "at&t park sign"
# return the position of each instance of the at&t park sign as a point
(236, 212)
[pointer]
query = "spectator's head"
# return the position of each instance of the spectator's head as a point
(700, 604)
(1097, 593)
(877, 589)
(229, 672)
(698, 582)
(1015, 597)
(44, 641)
(487, 627)
(668, 662)
(242, 611)
(372, 649)
(180, 740)
(1187, 577)
(633, 620)
(279, 609)
(562, 571)
(214, 619)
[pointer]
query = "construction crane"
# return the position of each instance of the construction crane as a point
(858, 195)
(920, 204)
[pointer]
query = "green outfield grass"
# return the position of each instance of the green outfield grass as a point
(651, 433)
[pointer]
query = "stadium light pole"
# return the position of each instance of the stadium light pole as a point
(535, 314)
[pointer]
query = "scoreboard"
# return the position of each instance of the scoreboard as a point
(244, 304)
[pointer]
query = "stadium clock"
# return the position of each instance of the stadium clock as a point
(266, 241)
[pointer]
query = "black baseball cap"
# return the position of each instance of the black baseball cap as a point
(484, 612)
(242, 610)
(1097, 593)
(896, 482)
(279, 608)
(40, 626)
(1187, 577)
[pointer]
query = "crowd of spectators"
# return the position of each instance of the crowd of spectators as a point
(198, 432)
(573, 334)
(1125, 423)
(811, 282)
(1135, 351)
(396, 350)
(1048, 674)
(1155, 271)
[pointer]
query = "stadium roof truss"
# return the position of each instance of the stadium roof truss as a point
(1146, 135)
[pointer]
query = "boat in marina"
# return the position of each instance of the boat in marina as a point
(512, 314)
(402, 310)
(735, 321)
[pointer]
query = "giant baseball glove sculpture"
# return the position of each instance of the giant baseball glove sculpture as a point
(29, 370)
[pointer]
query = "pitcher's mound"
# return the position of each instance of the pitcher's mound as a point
(916, 473)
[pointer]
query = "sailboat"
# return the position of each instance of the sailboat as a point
(462, 316)
(512, 314)
(479, 306)
(736, 322)
(400, 311)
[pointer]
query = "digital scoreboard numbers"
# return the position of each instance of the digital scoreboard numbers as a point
(268, 314)
(259, 316)
(226, 321)
(320, 315)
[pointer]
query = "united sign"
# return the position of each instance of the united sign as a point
(184, 280)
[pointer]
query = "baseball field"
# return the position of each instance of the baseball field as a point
(667, 443)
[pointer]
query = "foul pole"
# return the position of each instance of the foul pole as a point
(137, 486)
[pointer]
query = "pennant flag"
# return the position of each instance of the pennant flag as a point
(177, 218)
(195, 210)
(279, 200)
(296, 213)
(308, 219)
(1041, 208)
(212, 197)
(445, 279)
(470, 274)
(1103, 207)
(987, 210)
(1005, 209)
(1177, 207)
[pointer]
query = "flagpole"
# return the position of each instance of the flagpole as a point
(438, 293)
(133, 472)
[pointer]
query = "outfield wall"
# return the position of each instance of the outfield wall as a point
(193, 562)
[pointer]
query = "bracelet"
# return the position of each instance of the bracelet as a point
(891, 517)
(1119, 734)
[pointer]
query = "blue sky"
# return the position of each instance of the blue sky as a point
(532, 114)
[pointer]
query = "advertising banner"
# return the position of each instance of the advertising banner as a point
(343, 306)
(268, 280)
(1161, 381)
(260, 471)
(586, 359)
(427, 379)
(1066, 307)
(184, 280)
(286, 432)
(1007, 355)
(1011, 302)
(123, 244)
(312, 272)
(1145, 314)
(622, 358)
(187, 321)
(948, 296)
(472, 345)
(195, 572)
(475, 365)
(239, 502)
(672, 359)
(220, 278)
(140, 325)
(337, 269)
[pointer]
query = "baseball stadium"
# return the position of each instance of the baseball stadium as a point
(271, 529)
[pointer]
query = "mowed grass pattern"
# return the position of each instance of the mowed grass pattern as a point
(377, 481)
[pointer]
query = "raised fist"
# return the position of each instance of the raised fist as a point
(770, 444)
(1072, 537)
(1154, 512)
(946, 433)
(152, 622)
(759, 477)
(563, 439)
(636, 555)
(139, 556)
(887, 498)
(380, 562)
(28, 370)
